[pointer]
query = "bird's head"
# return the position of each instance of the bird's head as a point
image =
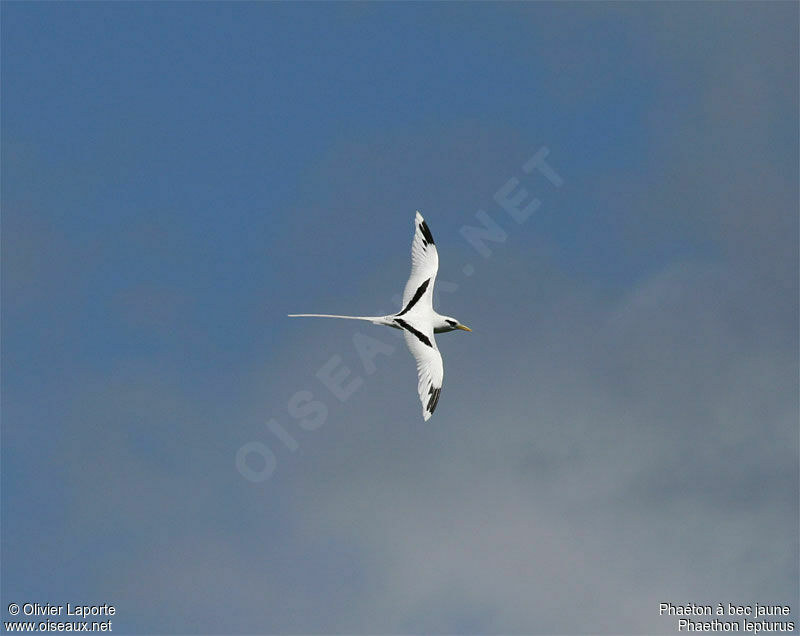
(451, 324)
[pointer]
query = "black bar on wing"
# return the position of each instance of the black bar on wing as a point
(426, 233)
(417, 295)
(422, 337)
(434, 399)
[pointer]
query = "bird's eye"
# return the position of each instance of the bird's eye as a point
(452, 323)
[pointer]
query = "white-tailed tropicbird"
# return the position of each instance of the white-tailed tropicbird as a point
(418, 319)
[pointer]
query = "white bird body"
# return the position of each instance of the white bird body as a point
(418, 319)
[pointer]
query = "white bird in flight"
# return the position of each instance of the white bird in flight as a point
(418, 319)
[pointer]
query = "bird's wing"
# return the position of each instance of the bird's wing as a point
(424, 265)
(429, 364)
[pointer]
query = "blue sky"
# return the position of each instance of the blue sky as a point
(620, 428)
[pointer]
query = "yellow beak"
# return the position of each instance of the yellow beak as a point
(463, 328)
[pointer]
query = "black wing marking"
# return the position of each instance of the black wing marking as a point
(434, 399)
(417, 295)
(426, 233)
(421, 336)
